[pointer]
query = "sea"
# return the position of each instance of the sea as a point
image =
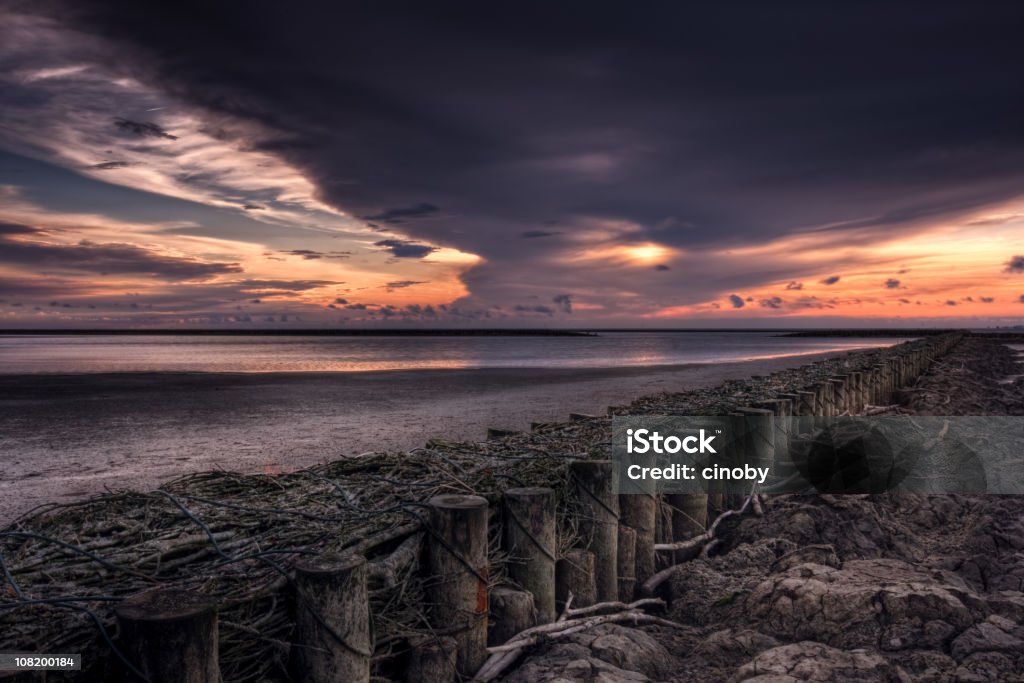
(74, 354)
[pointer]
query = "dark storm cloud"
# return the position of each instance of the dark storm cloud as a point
(104, 258)
(401, 214)
(15, 229)
(110, 165)
(698, 125)
(312, 255)
(405, 248)
(736, 301)
(143, 129)
(564, 302)
(285, 285)
(773, 302)
(892, 283)
(543, 310)
(830, 280)
(402, 284)
(1015, 265)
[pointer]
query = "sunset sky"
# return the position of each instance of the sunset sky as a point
(265, 164)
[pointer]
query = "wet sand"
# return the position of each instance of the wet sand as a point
(63, 437)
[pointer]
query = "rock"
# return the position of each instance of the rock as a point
(818, 554)
(606, 654)
(814, 662)
(865, 603)
(732, 647)
(995, 634)
(984, 667)
(924, 666)
(632, 650)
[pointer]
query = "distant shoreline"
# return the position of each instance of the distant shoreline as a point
(425, 332)
(490, 332)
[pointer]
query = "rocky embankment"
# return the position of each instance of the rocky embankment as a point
(843, 588)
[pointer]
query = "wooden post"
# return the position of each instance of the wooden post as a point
(689, 514)
(530, 541)
(432, 660)
(639, 508)
(856, 401)
(826, 399)
(594, 487)
(575, 573)
(779, 408)
(807, 411)
(761, 438)
(170, 634)
(838, 394)
(332, 620)
(627, 564)
(512, 612)
(457, 575)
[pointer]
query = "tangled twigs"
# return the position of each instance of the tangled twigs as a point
(503, 656)
(691, 548)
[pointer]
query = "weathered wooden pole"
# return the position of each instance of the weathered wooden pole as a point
(638, 505)
(761, 434)
(574, 574)
(530, 541)
(689, 514)
(627, 564)
(827, 409)
(593, 483)
(432, 660)
(332, 620)
(807, 411)
(838, 394)
(457, 575)
(512, 612)
(856, 397)
(780, 409)
(170, 634)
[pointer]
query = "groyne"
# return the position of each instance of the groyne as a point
(403, 566)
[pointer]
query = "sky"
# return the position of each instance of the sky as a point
(734, 164)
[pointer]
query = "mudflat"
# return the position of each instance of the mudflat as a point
(63, 437)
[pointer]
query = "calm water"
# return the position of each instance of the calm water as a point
(84, 354)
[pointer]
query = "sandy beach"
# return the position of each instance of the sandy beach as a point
(63, 437)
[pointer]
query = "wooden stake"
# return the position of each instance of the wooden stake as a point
(170, 634)
(594, 489)
(512, 611)
(627, 563)
(457, 571)
(574, 575)
(639, 511)
(432, 660)
(332, 620)
(530, 541)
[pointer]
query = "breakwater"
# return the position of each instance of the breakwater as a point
(404, 565)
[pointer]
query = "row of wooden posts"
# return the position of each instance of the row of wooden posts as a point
(171, 635)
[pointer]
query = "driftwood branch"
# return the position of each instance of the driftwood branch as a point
(387, 570)
(503, 656)
(697, 546)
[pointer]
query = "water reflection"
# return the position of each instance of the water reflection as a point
(71, 354)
